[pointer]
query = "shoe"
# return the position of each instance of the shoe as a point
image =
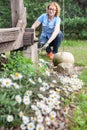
(50, 55)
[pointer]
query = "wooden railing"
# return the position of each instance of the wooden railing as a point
(18, 36)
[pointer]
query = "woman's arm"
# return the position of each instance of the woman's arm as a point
(54, 34)
(34, 26)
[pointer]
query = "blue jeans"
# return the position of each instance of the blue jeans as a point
(55, 44)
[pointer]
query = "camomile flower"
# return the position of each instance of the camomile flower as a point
(33, 119)
(47, 120)
(6, 83)
(32, 81)
(38, 113)
(52, 85)
(34, 107)
(18, 99)
(74, 76)
(26, 100)
(39, 119)
(47, 73)
(40, 96)
(42, 89)
(16, 86)
(45, 84)
(54, 81)
(28, 93)
(39, 127)
(1, 79)
(48, 109)
(21, 114)
(39, 104)
(25, 119)
(49, 101)
(23, 127)
(58, 90)
(52, 114)
(30, 126)
(10, 118)
(16, 76)
(39, 80)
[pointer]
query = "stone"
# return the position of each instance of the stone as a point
(65, 68)
(63, 57)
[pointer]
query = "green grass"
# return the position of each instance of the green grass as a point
(83, 76)
(78, 49)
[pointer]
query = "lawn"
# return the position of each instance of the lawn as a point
(78, 49)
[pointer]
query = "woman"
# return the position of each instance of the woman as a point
(51, 36)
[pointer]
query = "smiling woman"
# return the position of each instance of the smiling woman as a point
(51, 36)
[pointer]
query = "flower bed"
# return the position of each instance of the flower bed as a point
(35, 101)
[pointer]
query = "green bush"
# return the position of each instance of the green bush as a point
(76, 28)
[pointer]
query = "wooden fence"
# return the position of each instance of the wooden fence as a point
(18, 36)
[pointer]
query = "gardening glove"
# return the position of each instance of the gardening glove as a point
(45, 46)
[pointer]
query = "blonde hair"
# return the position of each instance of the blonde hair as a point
(57, 8)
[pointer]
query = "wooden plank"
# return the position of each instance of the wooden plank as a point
(28, 38)
(9, 46)
(9, 34)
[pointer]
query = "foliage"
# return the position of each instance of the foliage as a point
(76, 28)
(74, 16)
(5, 14)
(17, 63)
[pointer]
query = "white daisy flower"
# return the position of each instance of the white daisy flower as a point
(16, 86)
(10, 118)
(47, 73)
(16, 76)
(42, 89)
(47, 120)
(6, 83)
(34, 107)
(40, 96)
(18, 98)
(32, 81)
(39, 127)
(30, 126)
(25, 119)
(39, 80)
(33, 119)
(39, 119)
(54, 81)
(21, 114)
(26, 100)
(23, 127)
(28, 93)
(52, 114)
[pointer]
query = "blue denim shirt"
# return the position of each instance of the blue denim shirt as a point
(47, 26)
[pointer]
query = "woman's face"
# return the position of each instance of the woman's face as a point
(51, 10)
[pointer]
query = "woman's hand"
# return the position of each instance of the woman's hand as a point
(45, 46)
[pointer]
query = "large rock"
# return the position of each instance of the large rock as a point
(65, 68)
(63, 57)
